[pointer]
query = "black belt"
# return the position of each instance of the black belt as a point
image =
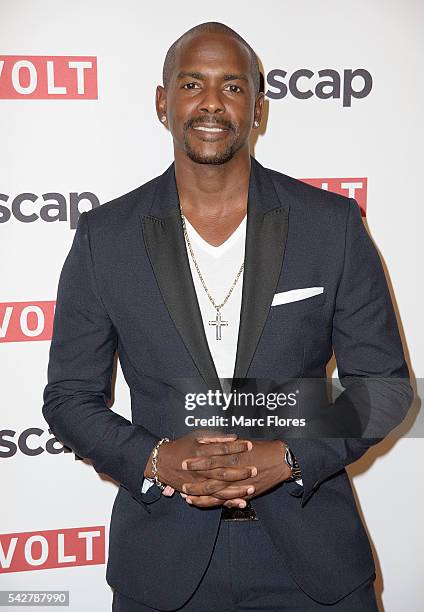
(239, 514)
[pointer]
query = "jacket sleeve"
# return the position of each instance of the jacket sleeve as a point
(79, 377)
(370, 361)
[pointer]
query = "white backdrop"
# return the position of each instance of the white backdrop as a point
(111, 144)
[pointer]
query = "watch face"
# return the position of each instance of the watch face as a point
(289, 457)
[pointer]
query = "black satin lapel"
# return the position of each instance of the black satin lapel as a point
(266, 235)
(166, 248)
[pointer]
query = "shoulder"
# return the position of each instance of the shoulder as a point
(308, 199)
(122, 212)
(122, 205)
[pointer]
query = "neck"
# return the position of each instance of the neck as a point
(213, 191)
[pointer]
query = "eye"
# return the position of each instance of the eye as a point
(189, 85)
(234, 88)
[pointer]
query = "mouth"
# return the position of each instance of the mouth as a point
(211, 130)
(210, 133)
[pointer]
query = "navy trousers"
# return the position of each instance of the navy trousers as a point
(247, 573)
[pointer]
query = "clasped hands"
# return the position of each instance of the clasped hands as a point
(220, 470)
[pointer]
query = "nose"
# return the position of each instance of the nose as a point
(211, 101)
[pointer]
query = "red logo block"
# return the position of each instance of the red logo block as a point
(26, 321)
(350, 187)
(42, 77)
(28, 551)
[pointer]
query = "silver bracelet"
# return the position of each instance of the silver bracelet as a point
(155, 455)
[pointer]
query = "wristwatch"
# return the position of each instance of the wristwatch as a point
(290, 459)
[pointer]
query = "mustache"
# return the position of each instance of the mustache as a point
(210, 121)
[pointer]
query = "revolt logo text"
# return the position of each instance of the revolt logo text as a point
(43, 77)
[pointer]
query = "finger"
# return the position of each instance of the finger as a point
(204, 487)
(232, 492)
(205, 438)
(210, 486)
(209, 500)
(229, 474)
(211, 459)
(204, 501)
(235, 503)
(223, 446)
(168, 491)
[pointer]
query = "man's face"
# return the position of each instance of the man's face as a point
(210, 101)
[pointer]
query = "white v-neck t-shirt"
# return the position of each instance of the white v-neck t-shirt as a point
(219, 266)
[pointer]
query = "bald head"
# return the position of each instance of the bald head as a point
(210, 27)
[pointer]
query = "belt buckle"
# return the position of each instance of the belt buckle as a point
(239, 514)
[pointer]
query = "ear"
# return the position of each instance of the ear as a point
(161, 103)
(259, 105)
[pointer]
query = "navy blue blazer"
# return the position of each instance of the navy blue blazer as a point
(126, 286)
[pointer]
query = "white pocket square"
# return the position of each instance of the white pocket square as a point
(295, 295)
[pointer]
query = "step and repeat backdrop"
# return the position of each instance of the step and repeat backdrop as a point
(78, 127)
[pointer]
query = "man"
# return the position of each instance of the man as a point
(226, 522)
